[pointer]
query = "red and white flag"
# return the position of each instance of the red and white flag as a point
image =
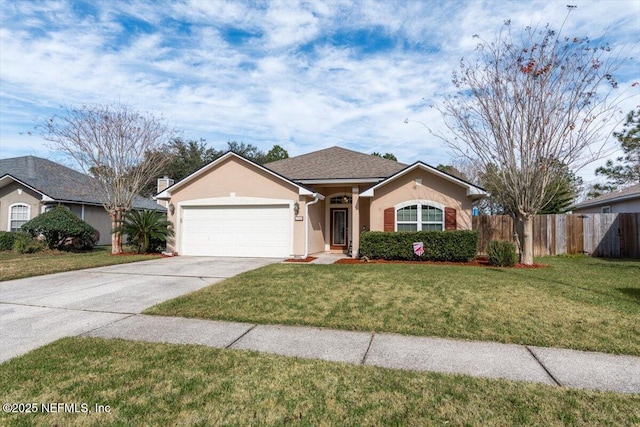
(418, 248)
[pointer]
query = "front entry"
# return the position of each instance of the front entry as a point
(339, 229)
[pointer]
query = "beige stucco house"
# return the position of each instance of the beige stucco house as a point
(316, 202)
(626, 200)
(30, 185)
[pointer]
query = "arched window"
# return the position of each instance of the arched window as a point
(19, 214)
(419, 217)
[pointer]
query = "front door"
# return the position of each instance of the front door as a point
(339, 229)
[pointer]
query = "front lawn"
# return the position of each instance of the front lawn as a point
(577, 302)
(18, 266)
(164, 384)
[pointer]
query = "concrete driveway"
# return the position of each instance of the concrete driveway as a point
(38, 310)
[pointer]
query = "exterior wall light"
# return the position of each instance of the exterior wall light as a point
(296, 208)
(172, 208)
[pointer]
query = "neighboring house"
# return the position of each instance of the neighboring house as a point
(622, 201)
(316, 202)
(30, 185)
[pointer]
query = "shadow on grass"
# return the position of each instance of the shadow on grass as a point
(632, 292)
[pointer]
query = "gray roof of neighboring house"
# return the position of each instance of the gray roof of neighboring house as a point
(59, 182)
(632, 192)
(335, 163)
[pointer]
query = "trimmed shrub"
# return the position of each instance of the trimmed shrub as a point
(7, 238)
(62, 230)
(502, 253)
(25, 244)
(457, 246)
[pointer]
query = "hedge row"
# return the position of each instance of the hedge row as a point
(457, 246)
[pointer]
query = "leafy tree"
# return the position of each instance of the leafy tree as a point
(388, 156)
(527, 101)
(452, 170)
(144, 227)
(626, 170)
(563, 187)
(62, 229)
(276, 153)
(184, 158)
(247, 151)
(119, 146)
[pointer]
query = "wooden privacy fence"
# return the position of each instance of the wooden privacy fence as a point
(603, 235)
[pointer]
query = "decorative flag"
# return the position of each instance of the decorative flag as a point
(418, 248)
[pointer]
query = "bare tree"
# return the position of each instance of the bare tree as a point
(116, 145)
(532, 100)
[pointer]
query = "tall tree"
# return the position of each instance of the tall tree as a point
(276, 153)
(626, 170)
(248, 151)
(184, 158)
(116, 145)
(529, 100)
(388, 156)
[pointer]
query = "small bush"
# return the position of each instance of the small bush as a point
(62, 230)
(457, 246)
(502, 253)
(25, 244)
(7, 239)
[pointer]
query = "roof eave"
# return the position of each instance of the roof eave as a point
(590, 204)
(44, 197)
(330, 181)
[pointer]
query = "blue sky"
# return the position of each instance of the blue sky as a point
(304, 75)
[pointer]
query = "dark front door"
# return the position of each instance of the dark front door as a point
(339, 229)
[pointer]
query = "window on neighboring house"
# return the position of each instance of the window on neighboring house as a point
(419, 218)
(606, 209)
(18, 215)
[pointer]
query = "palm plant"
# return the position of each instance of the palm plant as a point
(145, 226)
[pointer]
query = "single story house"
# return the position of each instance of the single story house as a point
(626, 200)
(316, 202)
(30, 185)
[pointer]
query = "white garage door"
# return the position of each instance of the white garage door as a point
(243, 231)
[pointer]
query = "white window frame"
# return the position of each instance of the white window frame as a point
(607, 208)
(419, 204)
(9, 220)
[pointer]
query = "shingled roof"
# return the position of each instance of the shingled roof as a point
(335, 163)
(59, 182)
(631, 192)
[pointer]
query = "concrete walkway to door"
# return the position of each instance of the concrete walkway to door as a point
(38, 310)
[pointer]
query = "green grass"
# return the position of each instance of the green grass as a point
(17, 266)
(577, 302)
(164, 384)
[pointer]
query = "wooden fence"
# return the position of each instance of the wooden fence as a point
(603, 235)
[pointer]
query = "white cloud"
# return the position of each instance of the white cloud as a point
(289, 80)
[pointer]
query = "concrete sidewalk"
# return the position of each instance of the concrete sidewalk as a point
(569, 368)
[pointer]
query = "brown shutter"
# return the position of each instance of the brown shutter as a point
(390, 219)
(450, 222)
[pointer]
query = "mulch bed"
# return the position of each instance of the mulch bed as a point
(478, 262)
(307, 259)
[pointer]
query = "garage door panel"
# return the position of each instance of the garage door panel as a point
(254, 230)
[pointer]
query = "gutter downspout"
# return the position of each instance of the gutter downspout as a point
(316, 199)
